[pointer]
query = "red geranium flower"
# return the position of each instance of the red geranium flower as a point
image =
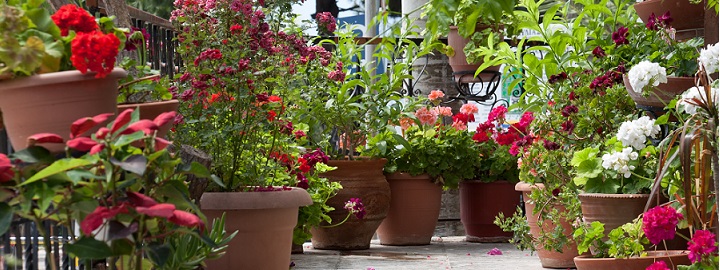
(72, 17)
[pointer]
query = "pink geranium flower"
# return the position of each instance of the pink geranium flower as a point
(426, 117)
(659, 223)
(469, 109)
(436, 94)
(702, 243)
(659, 265)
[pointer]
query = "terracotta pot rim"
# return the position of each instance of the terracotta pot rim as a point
(524, 186)
(651, 254)
(294, 197)
(614, 196)
(162, 102)
(58, 77)
(495, 181)
(357, 160)
(404, 175)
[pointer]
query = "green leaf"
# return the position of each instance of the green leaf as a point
(6, 216)
(128, 139)
(90, 248)
(197, 169)
(121, 247)
(159, 254)
(34, 154)
(59, 166)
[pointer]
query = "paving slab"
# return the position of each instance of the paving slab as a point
(443, 253)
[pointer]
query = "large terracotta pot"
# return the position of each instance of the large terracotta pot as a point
(264, 222)
(685, 15)
(613, 210)
(672, 259)
(51, 102)
(150, 110)
(362, 179)
(661, 95)
(480, 203)
(548, 259)
(458, 61)
(414, 210)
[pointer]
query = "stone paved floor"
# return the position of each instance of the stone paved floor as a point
(443, 253)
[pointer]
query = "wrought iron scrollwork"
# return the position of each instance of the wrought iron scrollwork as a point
(485, 93)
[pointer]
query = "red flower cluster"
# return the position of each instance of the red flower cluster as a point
(702, 243)
(95, 52)
(515, 134)
(143, 205)
(213, 54)
(659, 223)
(72, 17)
(598, 52)
(326, 21)
(557, 78)
(620, 36)
(6, 169)
(607, 80)
(338, 74)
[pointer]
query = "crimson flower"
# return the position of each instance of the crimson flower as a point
(659, 223)
(665, 19)
(702, 243)
(550, 145)
(356, 207)
(568, 126)
(497, 113)
(659, 265)
(6, 169)
(652, 23)
(620, 36)
(95, 52)
(598, 52)
(569, 110)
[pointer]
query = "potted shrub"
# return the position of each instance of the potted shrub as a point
(340, 114)
(492, 189)
(425, 159)
(144, 88)
(468, 24)
(68, 66)
(236, 91)
(130, 204)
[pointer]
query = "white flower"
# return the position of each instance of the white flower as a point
(635, 133)
(709, 58)
(619, 161)
(694, 92)
(646, 73)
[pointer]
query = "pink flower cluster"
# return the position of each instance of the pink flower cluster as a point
(659, 223)
(356, 207)
(659, 265)
(655, 22)
(702, 244)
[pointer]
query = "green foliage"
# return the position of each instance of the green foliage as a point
(496, 163)
(143, 84)
(517, 224)
(188, 251)
(321, 190)
(625, 241)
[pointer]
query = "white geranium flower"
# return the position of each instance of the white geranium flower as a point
(709, 57)
(694, 92)
(635, 133)
(619, 161)
(646, 73)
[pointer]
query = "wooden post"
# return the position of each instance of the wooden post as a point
(711, 26)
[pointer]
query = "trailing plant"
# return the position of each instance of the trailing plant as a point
(143, 84)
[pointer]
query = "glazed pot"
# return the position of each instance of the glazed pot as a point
(613, 210)
(362, 179)
(548, 259)
(661, 95)
(51, 102)
(264, 222)
(414, 210)
(672, 259)
(480, 203)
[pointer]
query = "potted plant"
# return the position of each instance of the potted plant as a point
(68, 66)
(341, 113)
(235, 93)
(468, 24)
(492, 189)
(130, 204)
(576, 102)
(144, 87)
(427, 158)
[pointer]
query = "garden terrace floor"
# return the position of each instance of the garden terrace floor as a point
(442, 253)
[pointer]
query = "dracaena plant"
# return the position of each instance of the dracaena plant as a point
(69, 39)
(130, 202)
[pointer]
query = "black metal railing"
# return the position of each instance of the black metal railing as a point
(24, 248)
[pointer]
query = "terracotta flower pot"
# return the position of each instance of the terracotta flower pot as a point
(480, 203)
(685, 15)
(458, 61)
(49, 103)
(264, 221)
(672, 259)
(362, 179)
(661, 95)
(613, 210)
(414, 210)
(548, 259)
(151, 110)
